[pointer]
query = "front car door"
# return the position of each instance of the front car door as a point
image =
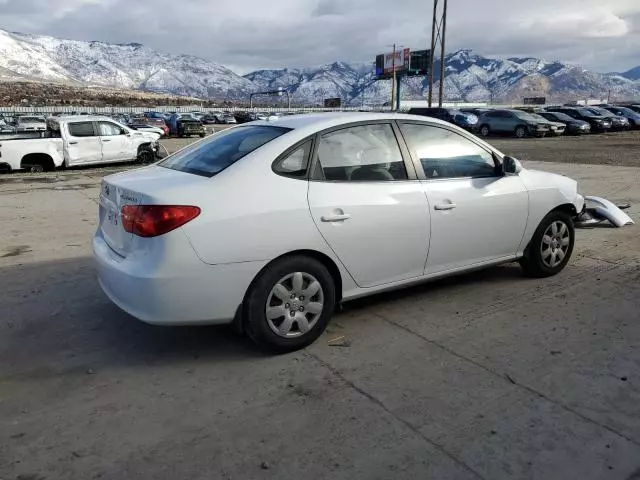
(83, 144)
(478, 214)
(115, 142)
(368, 205)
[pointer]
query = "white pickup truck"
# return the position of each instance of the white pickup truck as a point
(75, 141)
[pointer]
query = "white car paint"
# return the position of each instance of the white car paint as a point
(71, 150)
(392, 234)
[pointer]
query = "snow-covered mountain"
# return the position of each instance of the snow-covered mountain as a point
(469, 77)
(130, 66)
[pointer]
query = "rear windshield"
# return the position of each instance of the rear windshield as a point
(223, 149)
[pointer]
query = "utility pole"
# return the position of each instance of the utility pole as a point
(438, 32)
(393, 81)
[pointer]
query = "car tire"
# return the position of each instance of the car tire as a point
(275, 307)
(146, 155)
(202, 135)
(548, 253)
(485, 131)
(520, 132)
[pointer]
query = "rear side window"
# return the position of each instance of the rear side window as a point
(223, 149)
(295, 163)
(81, 129)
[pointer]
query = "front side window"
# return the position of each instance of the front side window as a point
(219, 151)
(360, 154)
(447, 154)
(108, 129)
(81, 129)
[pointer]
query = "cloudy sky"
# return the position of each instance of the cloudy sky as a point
(250, 34)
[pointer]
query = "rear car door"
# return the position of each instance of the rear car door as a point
(478, 214)
(368, 205)
(116, 144)
(83, 143)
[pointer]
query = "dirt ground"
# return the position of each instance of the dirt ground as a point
(616, 148)
(488, 375)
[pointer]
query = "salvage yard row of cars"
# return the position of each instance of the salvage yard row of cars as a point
(539, 122)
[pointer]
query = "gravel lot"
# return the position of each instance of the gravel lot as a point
(484, 376)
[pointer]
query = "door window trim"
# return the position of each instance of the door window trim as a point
(404, 152)
(497, 160)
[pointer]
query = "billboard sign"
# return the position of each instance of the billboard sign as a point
(535, 101)
(401, 61)
(332, 102)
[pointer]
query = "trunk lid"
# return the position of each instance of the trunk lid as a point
(151, 185)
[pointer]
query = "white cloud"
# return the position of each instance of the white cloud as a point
(256, 33)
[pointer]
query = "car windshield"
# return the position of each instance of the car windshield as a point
(563, 117)
(219, 151)
(525, 115)
(626, 111)
(31, 120)
(586, 112)
(538, 117)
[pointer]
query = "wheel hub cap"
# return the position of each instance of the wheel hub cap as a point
(294, 305)
(555, 244)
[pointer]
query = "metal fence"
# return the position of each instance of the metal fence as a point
(164, 109)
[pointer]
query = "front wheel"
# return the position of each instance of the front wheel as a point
(289, 304)
(521, 132)
(485, 131)
(146, 155)
(551, 246)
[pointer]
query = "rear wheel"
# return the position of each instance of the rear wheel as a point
(290, 304)
(520, 132)
(551, 246)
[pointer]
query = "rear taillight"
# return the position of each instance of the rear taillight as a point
(154, 220)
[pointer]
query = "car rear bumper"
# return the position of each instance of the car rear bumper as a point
(184, 292)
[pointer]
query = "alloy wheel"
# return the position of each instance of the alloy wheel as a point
(555, 244)
(294, 305)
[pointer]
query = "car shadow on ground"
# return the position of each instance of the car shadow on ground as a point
(56, 318)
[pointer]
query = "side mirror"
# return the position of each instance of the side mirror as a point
(511, 166)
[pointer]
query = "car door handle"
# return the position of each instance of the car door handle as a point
(106, 140)
(445, 206)
(335, 218)
(73, 143)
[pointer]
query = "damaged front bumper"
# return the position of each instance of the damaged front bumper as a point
(597, 210)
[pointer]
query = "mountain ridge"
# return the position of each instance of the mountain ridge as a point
(470, 77)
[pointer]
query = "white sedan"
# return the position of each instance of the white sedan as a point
(271, 224)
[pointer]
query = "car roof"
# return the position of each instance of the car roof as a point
(314, 122)
(84, 118)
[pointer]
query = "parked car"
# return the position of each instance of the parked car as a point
(635, 108)
(30, 124)
(250, 225)
(228, 118)
(518, 123)
(186, 125)
(145, 127)
(468, 121)
(244, 117)
(478, 112)
(598, 122)
(556, 128)
(617, 123)
(573, 126)
(632, 117)
(78, 140)
(155, 122)
(209, 119)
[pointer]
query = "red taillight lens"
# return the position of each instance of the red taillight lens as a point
(154, 220)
